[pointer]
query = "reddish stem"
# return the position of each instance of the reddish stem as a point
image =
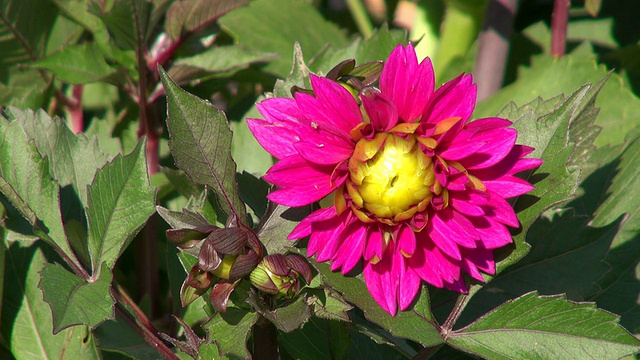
(140, 323)
(559, 20)
(77, 117)
(493, 48)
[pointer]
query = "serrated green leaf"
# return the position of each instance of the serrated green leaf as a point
(73, 300)
(546, 328)
(25, 181)
(326, 304)
(416, 323)
(27, 322)
(553, 141)
(77, 64)
(621, 286)
(120, 201)
(73, 159)
(280, 24)
(218, 59)
(229, 332)
(299, 76)
(317, 339)
(119, 19)
(186, 16)
(287, 317)
(377, 47)
(78, 11)
(200, 141)
(25, 89)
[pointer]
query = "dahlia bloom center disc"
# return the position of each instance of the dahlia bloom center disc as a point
(419, 190)
(390, 178)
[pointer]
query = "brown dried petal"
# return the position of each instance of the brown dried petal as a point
(208, 258)
(343, 68)
(220, 294)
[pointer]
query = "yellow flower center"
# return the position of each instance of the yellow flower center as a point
(390, 177)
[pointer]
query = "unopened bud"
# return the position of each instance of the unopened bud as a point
(279, 275)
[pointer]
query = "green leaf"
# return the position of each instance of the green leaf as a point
(556, 180)
(25, 181)
(287, 317)
(26, 318)
(316, 339)
(218, 59)
(200, 141)
(593, 7)
(185, 16)
(229, 332)
(280, 24)
(73, 300)
(547, 77)
(116, 336)
(416, 323)
(377, 47)
(326, 304)
(78, 10)
(546, 328)
(25, 89)
(120, 201)
(73, 159)
(119, 18)
(276, 225)
(621, 285)
(77, 64)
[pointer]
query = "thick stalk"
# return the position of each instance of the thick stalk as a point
(459, 30)
(493, 46)
(559, 20)
(360, 17)
(146, 247)
(265, 340)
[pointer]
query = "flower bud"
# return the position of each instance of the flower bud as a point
(279, 275)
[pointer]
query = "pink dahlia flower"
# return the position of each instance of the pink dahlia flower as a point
(419, 192)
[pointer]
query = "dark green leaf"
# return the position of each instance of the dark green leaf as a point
(416, 323)
(73, 300)
(77, 64)
(117, 336)
(201, 145)
(120, 201)
(317, 339)
(186, 16)
(286, 318)
(27, 323)
(546, 328)
(280, 24)
(326, 304)
(229, 331)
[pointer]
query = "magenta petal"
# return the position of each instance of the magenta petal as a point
(382, 283)
(464, 206)
(452, 226)
(406, 240)
(456, 98)
(323, 147)
(350, 251)
(441, 236)
(301, 183)
(508, 186)
(498, 146)
(276, 139)
(374, 245)
(409, 283)
(339, 107)
(326, 238)
(304, 228)
(406, 83)
(493, 235)
(502, 211)
(381, 112)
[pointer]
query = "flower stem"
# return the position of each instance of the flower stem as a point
(265, 340)
(559, 20)
(361, 17)
(461, 303)
(460, 28)
(493, 46)
(139, 322)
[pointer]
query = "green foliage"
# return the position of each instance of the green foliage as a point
(98, 67)
(546, 328)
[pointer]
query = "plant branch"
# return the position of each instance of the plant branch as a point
(140, 323)
(360, 17)
(461, 303)
(559, 20)
(493, 48)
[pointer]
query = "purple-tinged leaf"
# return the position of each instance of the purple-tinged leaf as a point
(186, 16)
(200, 141)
